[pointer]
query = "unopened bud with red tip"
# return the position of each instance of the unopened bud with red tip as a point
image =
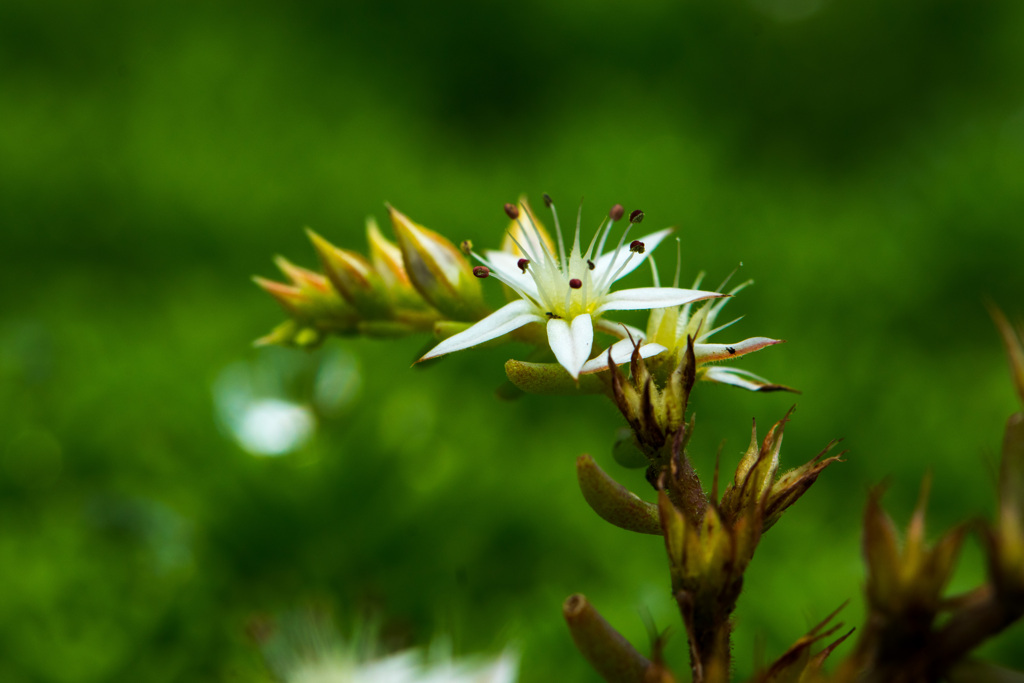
(353, 277)
(290, 297)
(303, 278)
(617, 212)
(438, 270)
(310, 295)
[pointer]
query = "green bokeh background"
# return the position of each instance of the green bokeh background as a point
(863, 159)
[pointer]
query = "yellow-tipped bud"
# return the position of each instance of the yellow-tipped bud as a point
(386, 258)
(438, 270)
(353, 277)
(292, 299)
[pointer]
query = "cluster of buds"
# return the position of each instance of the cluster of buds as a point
(709, 541)
(913, 631)
(422, 283)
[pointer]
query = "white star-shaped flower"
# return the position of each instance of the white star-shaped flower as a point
(568, 293)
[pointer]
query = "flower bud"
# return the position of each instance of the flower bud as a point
(353, 277)
(438, 270)
(907, 583)
(291, 298)
(309, 297)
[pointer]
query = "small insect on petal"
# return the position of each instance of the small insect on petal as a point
(481, 271)
(636, 246)
(617, 212)
(511, 211)
(575, 283)
(523, 263)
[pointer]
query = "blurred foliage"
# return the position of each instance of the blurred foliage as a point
(862, 159)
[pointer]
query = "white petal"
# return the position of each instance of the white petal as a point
(507, 266)
(711, 352)
(642, 298)
(604, 261)
(572, 343)
(507, 318)
(737, 378)
(622, 352)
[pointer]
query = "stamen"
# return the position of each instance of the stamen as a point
(617, 212)
(536, 233)
(606, 281)
(522, 263)
(590, 264)
(467, 247)
(636, 246)
(622, 267)
(575, 283)
(518, 244)
(636, 217)
(496, 274)
(511, 211)
(481, 271)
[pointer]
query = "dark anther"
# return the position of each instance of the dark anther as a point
(466, 247)
(553, 316)
(522, 263)
(617, 212)
(731, 350)
(636, 217)
(547, 200)
(511, 211)
(590, 264)
(575, 283)
(481, 271)
(637, 247)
